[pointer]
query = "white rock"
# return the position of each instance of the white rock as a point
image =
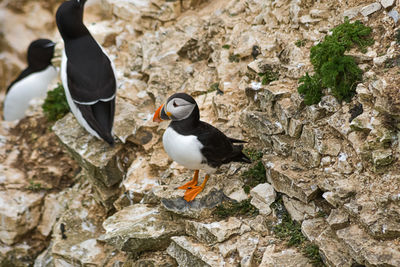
(263, 196)
(387, 3)
(369, 9)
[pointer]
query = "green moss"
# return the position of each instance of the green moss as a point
(290, 231)
(311, 251)
(228, 209)
(397, 36)
(33, 186)
(268, 77)
(55, 105)
(256, 174)
(300, 43)
(226, 46)
(253, 154)
(234, 58)
(333, 69)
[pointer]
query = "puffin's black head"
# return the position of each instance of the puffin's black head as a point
(69, 18)
(40, 53)
(179, 106)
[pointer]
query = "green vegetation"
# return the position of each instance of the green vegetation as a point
(332, 68)
(55, 105)
(300, 43)
(290, 231)
(228, 209)
(234, 58)
(256, 173)
(33, 186)
(226, 46)
(398, 36)
(268, 77)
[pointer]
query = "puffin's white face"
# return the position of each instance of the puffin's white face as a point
(179, 109)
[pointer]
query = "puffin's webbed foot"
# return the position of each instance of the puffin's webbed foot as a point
(191, 193)
(191, 183)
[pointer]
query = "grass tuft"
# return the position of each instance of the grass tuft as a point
(55, 105)
(256, 174)
(333, 69)
(228, 209)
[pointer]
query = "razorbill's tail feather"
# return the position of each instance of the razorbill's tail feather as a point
(193, 143)
(32, 82)
(87, 73)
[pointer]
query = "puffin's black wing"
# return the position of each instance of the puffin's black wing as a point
(217, 147)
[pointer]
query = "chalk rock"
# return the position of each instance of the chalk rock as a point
(263, 196)
(369, 9)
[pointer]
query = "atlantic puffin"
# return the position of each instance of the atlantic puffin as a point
(32, 82)
(193, 143)
(87, 73)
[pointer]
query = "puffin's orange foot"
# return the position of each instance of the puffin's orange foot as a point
(191, 183)
(191, 194)
(188, 185)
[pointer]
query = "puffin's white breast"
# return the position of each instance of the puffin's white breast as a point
(184, 149)
(23, 91)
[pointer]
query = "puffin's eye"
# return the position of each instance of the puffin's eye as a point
(174, 104)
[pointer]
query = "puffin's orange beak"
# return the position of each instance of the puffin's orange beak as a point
(157, 115)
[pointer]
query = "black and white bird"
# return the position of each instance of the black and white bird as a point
(32, 82)
(193, 143)
(87, 73)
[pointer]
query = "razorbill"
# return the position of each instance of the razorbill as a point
(32, 82)
(193, 143)
(87, 73)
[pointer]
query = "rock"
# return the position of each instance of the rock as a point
(329, 103)
(247, 245)
(215, 232)
(380, 61)
(315, 113)
(19, 213)
(367, 250)
(329, 146)
(140, 228)
(298, 210)
(382, 158)
(309, 158)
(260, 123)
(263, 65)
(369, 9)
(292, 181)
(45, 259)
(53, 208)
(187, 252)
(295, 128)
(287, 258)
(97, 157)
(352, 12)
(104, 32)
(394, 15)
(139, 178)
(387, 3)
(282, 144)
(338, 219)
(263, 196)
(334, 253)
(199, 207)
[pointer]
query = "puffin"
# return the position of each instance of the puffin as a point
(32, 82)
(87, 73)
(195, 144)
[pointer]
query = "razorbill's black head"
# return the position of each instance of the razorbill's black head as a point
(32, 81)
(87, 73)
(194, 143)
(69, 18)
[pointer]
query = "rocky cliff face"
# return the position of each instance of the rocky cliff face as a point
(332, 166)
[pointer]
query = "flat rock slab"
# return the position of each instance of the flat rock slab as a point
(19, 213)
(334, 252)
(197, 208)
(369, 250)
(188, 252)
(140, 228)
(97, 157)
(284, 258)
(215, 232)
(287, 177)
